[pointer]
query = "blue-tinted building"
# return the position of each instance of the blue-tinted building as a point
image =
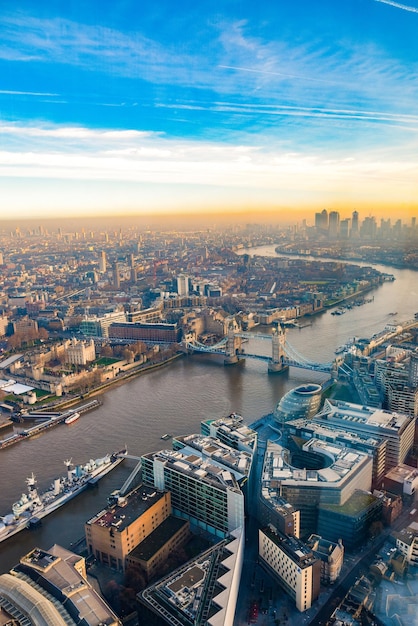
(303, 401)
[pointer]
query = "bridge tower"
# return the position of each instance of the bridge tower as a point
(233, 346)
(277, 364)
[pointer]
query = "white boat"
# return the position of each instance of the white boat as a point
(33, 506)
(72, 418)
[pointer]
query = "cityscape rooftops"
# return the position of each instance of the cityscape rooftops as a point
(364, 416)
(237, 460)
(232, 430)
(331, 432)
(342, 462)
(203, 587)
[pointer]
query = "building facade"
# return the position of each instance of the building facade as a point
(203, 491)
(293, 565)
(115, 532)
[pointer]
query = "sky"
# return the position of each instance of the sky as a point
(220, 105)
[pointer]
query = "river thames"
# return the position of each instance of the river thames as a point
(174, 399)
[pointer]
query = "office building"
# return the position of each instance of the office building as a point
(334, 225)
(232, 431)
(316, 428)
(183, 285)
(354, 225)
(148, 332)
(413, 370)
(401, 480)
(301, 402)
(116, 276)
(114, 532)
(203, 591)
(102, 262)
(152, 553)
(292, 564)
(397, 429)
(337, 473)
(350, 520)
(98, 326)
(203, 491)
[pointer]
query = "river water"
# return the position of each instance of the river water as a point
(175, 399)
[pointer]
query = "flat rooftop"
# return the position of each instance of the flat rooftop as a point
(128, 508)
(151, 544)
(237, 460)
(296, 549)
(196, 466)
(278, 469)
(363, 416)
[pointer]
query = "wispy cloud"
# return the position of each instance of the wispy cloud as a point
(9, 92)
(121, 156)
(397, 5)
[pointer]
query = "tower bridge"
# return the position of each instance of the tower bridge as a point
(283, 354)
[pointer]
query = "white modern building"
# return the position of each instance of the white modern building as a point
(396, 428)
(203, 490)
(293, 564)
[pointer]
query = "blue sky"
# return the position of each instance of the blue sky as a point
(159, 106)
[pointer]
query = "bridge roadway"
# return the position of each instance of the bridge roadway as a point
(292, 358)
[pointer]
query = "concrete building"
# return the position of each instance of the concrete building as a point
(407, 543)
(203, 591)
(293, 564)
(232, 431)
(401, 480)
(318, 428)
(340, 473)
(4, 322)
(113, 533)
(50, 588)
(331, 555)
(203, 490)
(396, 428)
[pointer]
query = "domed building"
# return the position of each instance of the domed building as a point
(302, 401)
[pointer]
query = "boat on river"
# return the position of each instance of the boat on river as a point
(72, 418)
(33, 506)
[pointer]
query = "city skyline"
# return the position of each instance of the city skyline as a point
(225, 108)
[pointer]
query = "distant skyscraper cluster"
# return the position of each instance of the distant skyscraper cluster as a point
(329, 225)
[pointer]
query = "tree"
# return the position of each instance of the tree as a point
(106, 351)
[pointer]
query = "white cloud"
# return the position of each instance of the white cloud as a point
(397, 5)
(142, 158)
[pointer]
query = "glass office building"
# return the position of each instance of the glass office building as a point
(303, 401)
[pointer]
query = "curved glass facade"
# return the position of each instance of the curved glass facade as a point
(302, 401)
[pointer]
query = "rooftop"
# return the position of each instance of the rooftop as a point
(151, 544)
(128, 509)
(364, 416)
(296, 549)
(197, 467)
